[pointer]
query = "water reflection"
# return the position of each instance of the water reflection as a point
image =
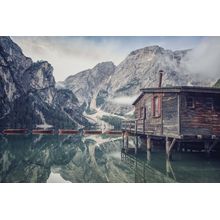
(54, 158)
(185, 167)
(97, 158)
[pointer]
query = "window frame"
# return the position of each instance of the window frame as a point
(212, 103)
(193, 106)
(156, 107)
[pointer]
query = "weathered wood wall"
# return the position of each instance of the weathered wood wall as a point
(143, 112)
(170, 114)
(202, 119)
(166, 123)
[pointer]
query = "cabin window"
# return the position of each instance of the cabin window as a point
(156, 108)
(217, 104)
(209, 103)
(190, 102)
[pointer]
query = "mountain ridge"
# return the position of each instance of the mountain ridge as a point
(28, 96)
(138, 70)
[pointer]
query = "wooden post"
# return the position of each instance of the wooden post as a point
(123, 139)
(169, 146)
(136, 144)
(144, 125)
(178, 146)
(149, 143)
(169, 169)
(126, 141)
(135, 126)
(206, 145)
(148, 155)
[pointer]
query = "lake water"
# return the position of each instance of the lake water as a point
(96, 158)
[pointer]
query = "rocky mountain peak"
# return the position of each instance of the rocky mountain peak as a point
(86, 83)
(11, 55)
(104, 66)
(155, 49)
(28, 97)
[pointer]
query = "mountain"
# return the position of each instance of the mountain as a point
(217, 84)
(28, 97)
(72, 158)
(86, 84)
(115, 90)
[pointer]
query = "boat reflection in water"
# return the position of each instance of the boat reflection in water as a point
(96, 158)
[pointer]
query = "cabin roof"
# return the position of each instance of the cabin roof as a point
(177, 89)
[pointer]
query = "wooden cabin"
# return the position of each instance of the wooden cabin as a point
(177, 115)
(178, 111)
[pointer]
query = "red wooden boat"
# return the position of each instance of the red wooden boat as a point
(113, 132)
(15, 131)
(42, 131)
(92, 132)
(68, 131)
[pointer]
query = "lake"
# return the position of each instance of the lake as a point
(96, 158)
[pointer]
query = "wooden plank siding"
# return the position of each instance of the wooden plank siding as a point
(203, 118)
(143, 111)
(192, 112)
(170, 114)
(164, 124)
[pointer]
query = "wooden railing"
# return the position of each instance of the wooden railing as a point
(129, 125)
(137, 125)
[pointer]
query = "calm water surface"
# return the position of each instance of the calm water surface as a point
(96, 158)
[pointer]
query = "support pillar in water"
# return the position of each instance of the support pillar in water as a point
(123, 140)
(149, 143)
(136, 144)
(168, 153)
(169, 145)
(148, 155)
(126, 143)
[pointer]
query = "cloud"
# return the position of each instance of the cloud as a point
(204, 59)
(124, 100)
(70, 55)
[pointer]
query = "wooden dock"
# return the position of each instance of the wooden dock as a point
(137, 129)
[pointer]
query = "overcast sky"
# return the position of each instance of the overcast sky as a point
(70, 55)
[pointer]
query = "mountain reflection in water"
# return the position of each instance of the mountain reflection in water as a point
(96, 158)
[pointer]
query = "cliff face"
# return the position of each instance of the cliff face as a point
(116, 89)
(86, 84)
(217, 84)
(28, 97)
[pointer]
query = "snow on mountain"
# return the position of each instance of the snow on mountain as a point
(116, 89)
(86, 84)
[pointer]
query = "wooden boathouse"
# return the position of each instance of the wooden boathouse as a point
(176, 115)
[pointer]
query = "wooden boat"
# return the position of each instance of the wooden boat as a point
(15, 131)
(113, 132)
(42, 131)
(68, 131)
(92, 132)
